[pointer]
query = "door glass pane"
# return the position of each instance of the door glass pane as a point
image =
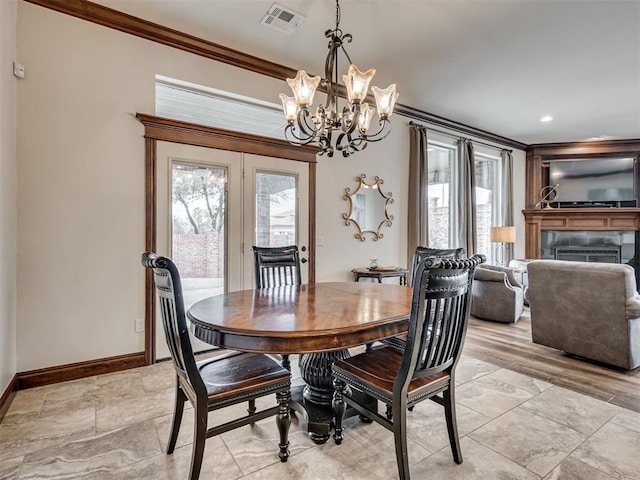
(486, 175)
(276, 209)
(198, 229)
(439, 212)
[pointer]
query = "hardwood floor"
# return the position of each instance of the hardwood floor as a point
(510, 346)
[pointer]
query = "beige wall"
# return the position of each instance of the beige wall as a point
(8, 178)
(341, 251)
(81, 184)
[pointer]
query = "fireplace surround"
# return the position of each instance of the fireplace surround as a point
(609, 235)
(588, 246)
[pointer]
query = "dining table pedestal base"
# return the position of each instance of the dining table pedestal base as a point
(314, 399)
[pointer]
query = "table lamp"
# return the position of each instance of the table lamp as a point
(502, 235)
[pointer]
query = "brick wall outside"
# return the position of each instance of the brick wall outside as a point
(199, 256)
(439, 228)
(202, 255)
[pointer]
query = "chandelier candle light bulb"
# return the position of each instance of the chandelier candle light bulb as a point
(353, 123)
(357, 83)
(304, 87)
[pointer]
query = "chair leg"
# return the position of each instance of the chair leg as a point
(389, 412)
(452, 424)
(400, 438)
(199, 439)
(178, 409)
(339, 409)
(283, 421)
(252, 406)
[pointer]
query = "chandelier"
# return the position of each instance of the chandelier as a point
(349, 127)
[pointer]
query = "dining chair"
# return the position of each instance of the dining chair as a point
(275, 267)
(420, 254)
(424, 369)
(216, 382)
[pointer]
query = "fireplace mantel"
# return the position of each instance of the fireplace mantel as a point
(575, 219)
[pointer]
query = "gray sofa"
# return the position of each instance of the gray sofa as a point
(587, 309)
(496, 294)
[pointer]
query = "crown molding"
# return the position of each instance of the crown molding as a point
(108, 17)
(586, 148)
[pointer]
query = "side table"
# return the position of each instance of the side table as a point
(359, 273)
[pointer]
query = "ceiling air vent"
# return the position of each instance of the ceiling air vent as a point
(282, 18)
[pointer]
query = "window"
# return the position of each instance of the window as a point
(442, 160)
(198, 216)
(444, 209)
(276, 203)
(487, 211)
(216, 108)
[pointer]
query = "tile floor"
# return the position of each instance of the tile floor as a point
(512, 427)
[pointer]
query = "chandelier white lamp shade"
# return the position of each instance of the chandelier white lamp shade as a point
(345, 130)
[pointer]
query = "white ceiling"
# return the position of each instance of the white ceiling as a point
(496, 65)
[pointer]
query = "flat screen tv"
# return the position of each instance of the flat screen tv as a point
(593, 180)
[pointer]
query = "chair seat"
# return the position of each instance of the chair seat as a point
(230, 376)
(375, 371)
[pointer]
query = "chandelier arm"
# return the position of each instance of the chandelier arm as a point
(356, 146)
(292, 138)
(359, 144)
(324, 141)
(385, 129)
(346, 38)
(328, 74)
(302, 120)
(345, 148)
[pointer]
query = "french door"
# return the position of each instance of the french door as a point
(276, 207)
(213, 205)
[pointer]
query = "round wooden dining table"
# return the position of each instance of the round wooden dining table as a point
(319, 321)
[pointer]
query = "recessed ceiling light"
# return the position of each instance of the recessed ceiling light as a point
(601, 137)
(546, 118)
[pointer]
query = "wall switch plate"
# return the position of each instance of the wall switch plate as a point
(139, 325)
(18, 70)
(319, 241)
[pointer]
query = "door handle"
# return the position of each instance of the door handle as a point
(303, 260)
(303, 249)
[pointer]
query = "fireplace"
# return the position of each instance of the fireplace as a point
(588, 246)
(592, 246)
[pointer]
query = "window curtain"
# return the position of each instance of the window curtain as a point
(466, 219)
(417, 229)
(506, 204)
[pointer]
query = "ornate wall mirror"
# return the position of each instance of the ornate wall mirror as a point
(368, 208)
